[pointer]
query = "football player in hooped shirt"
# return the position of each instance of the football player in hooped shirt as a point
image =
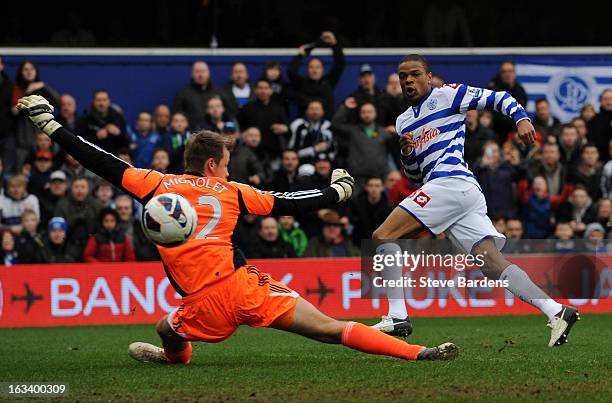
(220, 291)
(450, 201)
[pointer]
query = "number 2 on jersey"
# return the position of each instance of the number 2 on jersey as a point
(213, 202)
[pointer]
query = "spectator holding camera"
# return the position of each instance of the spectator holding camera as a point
(317, 84)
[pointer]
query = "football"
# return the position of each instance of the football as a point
(169, 220)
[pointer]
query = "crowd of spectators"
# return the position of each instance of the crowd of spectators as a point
(289, 135)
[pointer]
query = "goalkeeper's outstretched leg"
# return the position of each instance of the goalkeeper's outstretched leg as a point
(308, 321)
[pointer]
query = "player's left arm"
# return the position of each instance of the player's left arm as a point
(469, 98)
(254, 201)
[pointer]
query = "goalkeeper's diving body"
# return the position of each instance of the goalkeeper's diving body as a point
(219, 290)
(450, 201)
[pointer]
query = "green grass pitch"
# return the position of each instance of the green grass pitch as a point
(502, 359)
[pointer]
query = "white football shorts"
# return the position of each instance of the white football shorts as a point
(454, 206)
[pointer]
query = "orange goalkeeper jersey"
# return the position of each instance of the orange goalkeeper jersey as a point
(209, 255)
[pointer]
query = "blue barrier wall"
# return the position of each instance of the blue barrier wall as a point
(140, 82)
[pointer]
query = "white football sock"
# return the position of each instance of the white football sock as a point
(521, 285)
(395, 295)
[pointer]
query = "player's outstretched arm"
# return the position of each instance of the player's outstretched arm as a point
(253, 201)
(98, 161)
(340, 189)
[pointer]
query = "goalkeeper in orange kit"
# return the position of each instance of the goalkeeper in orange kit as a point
(219, 290)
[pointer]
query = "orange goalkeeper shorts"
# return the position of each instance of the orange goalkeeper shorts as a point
(247, 297)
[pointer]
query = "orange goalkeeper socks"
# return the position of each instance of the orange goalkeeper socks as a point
(179, 357)
(365, 339)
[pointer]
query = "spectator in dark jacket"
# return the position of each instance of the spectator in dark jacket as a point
(331, 242)
(497, 179)
(588, 171)
(316, 84)
(192, 99)
(68, 112)
(476, 136)
(28, 82)
(600, 127)
(578, 210)
(52, 195)
(555, 173)
(505, 80)
(7, 137)
(312, 134)
(108, 244)
(281, 90)
(391, 104)
(30, 243)
(269, 117)
(80, 210)
(174, 141)
(238, 91)
(367, 91)
(216, 116)
(40, 172)
(287, 179)
(103, 125)
(244, 166)
(544, 121)
(368, 148)
(161, 119)
(369, 209)
(57, 249)
(569, 146)
(268, 244)
(9, 256)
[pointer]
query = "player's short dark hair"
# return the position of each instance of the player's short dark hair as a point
(540, 100)
(203, 145)
(416, 58)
